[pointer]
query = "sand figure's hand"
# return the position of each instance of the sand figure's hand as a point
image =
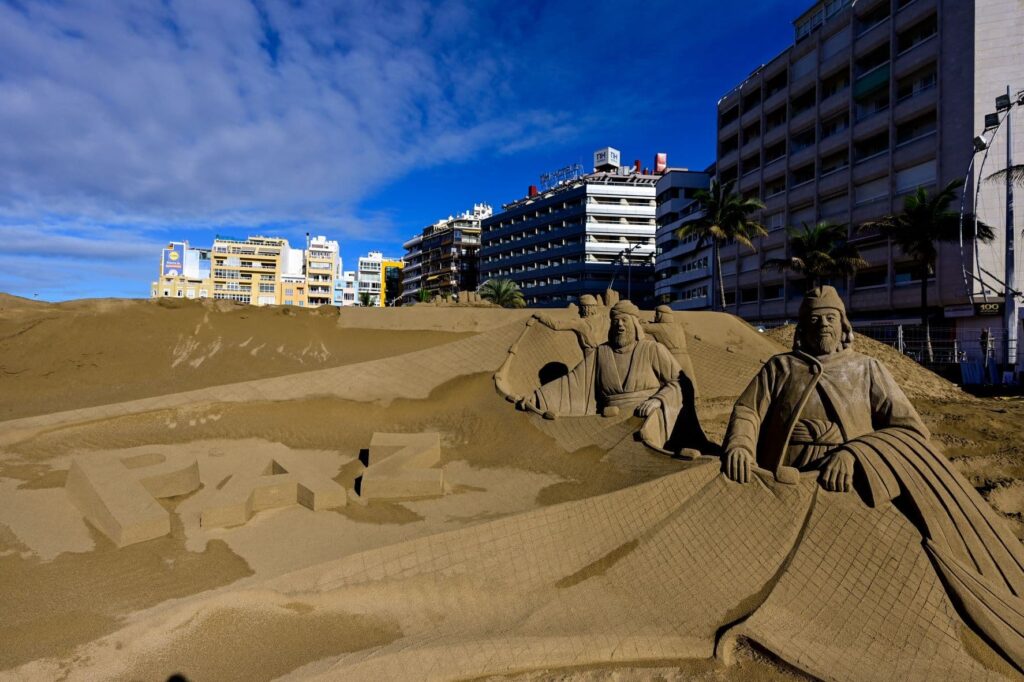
(838, 473)
(738, 465)
(647, 407)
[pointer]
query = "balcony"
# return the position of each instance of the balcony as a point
(773, 102)
(872, 167)
(802, 119)
(871, 38)
(834, 143)
(750, 180)
(728, 159)
(916, 104)
(916, 151)
(776, 134)
(835, 104)
(729, 129)
(872, 124)
(834, 181)
(836, 63)
(751, 116)
(802, 193)
(750, 147)
(925, 52)
(913, 13)
(870, 211)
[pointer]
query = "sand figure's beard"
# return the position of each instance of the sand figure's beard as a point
(821, 343)
(621, 339)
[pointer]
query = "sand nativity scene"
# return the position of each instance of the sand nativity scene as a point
(564, 494)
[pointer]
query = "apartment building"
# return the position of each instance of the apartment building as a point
(248, 270)
(443, 259)
(322, 267)
(874, 99)
(683, 268)
(377, 275)
(345, 289)
(586, 233)
(184, 273)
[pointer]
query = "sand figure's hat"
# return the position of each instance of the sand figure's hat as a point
(625, 307)
(587, 299)
(822, 297)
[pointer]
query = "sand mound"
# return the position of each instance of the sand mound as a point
(57, 357)
(563, 547)
(916, 381)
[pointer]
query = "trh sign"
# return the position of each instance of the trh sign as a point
(989, 308)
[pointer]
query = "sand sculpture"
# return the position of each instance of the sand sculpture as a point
(591, 328)
(402, 465)
(628, 372)
(909, 575)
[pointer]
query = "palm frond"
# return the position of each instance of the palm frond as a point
(1015, 173)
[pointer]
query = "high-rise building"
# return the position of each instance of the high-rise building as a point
(376, 275)
(583, 234)
(323, 266)
(874, 99)
(683, 267)
(443, 259)
(184, 273)
(249, 270)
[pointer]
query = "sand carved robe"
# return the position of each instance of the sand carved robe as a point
(597, 382)
(980, 560)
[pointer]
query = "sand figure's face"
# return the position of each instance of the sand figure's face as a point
(588, 310)
(822, 331)
(623, 331)
(661, 316)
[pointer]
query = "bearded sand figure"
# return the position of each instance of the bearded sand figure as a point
(591, 328)
(627, 372)
(825, 407)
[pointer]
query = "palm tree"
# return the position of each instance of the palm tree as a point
(727, 216)
(423, 296)
(503, 292)
(1015, 172)
(365, 299)
(819, 252)
(925, 222)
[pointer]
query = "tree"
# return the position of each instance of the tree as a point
(727, 217)
(819, 252)
(1015, 172)
(925, 222)
(423, 296)
(503, 292)
(365, 299)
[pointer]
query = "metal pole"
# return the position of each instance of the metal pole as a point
(629, 274)
(1010, 298)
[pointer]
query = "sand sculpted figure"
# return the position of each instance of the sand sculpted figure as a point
(591, 328)
(627, 372)
(824, 407)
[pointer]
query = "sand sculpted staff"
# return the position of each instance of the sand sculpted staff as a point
(824, 407)
(627, 372)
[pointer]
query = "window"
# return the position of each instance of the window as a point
(871, 146)
(835, 125)
(180, 293)
(748, 295)
(907, 273)
(730, 298)
(915, 128)
(771, 292)
(909, 179)
(801, 140)
(803, 102)
(871, 277)
(776, 186)
(751, 100)
(776, 83)
(873, 18)
(835, 44)
(752, 132)
(775, 152)
(775, 221)
(776, 118)
(834, 162)
(803, 174)
(730, 144)
(916, 34)
(835, 83)
(751, 163)
(871, 191)
(834, 205)
(729, 115)
(916, 83)
(872, 60)
(803, 67)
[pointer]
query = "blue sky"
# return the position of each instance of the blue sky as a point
(127, 124)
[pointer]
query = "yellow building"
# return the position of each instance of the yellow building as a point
(249, 271)
(184, 273)
(376, 275)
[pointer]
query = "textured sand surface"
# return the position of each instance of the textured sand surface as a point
(548, 529)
